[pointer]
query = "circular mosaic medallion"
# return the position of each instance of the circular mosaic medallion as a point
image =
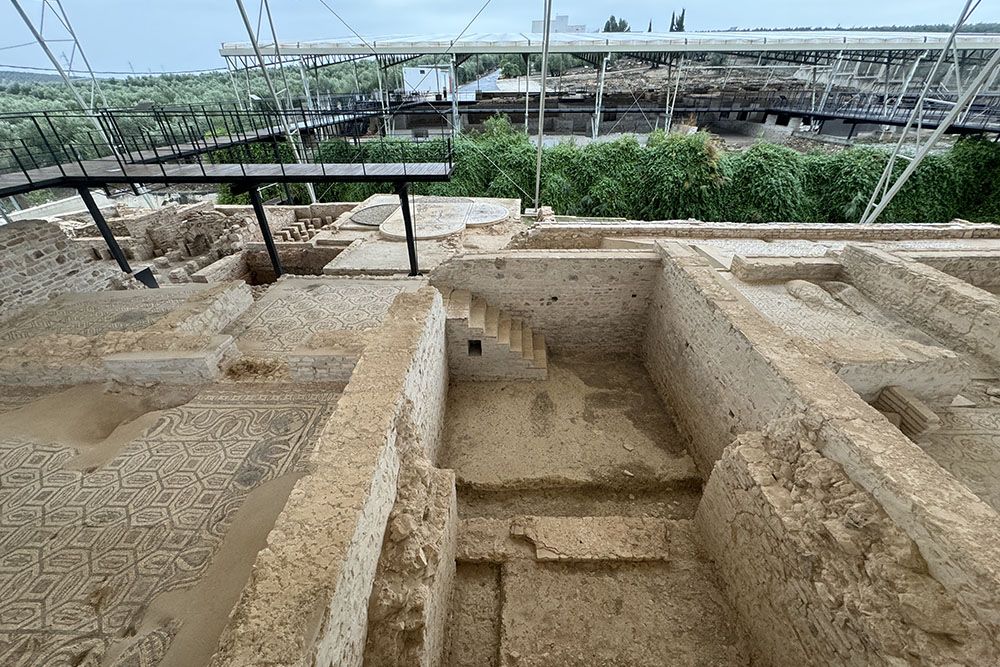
(373, 216)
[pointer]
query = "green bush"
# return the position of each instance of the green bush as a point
(765, 184)
(687, 176)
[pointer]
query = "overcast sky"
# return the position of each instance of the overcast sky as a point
(173, 35)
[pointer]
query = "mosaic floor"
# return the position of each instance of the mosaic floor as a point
(96, 313)
(293, 310)
(819, 315)
(968, 446)
(83, 554)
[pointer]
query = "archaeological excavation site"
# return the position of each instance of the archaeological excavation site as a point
(565, 443)
(353, 370)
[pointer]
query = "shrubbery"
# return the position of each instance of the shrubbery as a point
(688, 176)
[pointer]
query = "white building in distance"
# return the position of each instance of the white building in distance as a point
(559, 24)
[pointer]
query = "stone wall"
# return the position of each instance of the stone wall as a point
(979, 268)
(590, 234)
(300, 259)
(817, 570)
(408, 609)
(306, 602)
(584, 302)
(963, 315)
(705, 367)
(37, 261)
(726, 371)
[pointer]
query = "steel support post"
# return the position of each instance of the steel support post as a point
(829, 83)
(402, 190)
(381, 98)
(296, 151)
(265, 230)
(145, 276)
(541, 107)
(456, 121)
(875, 206)
(599, 101)
(527, 89)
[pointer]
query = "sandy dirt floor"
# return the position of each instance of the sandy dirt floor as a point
(590, 424)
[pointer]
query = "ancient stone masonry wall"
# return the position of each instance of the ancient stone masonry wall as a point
(168, 335)
(584, 302)
(584, 234)
(703, 365)
(818, 571)
(408, 609)
(37, 261)
(746, 372)
(962, 314)
(306, 603)
(981, 268)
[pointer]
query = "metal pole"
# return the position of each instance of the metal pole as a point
(102, 226)
(236, 92)
(963, 99)
(381, 98)
(541, 106)
(62, 73)
(456, 122)
(277, 53)
(274, 94)
(411, 243)
(909, 78)
(527, 89)
(305, 86)
(265, 230)
(95, 86)
(599, 101)
(673, 100)
(829, 83)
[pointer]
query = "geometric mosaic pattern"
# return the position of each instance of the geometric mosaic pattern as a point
(820, 323)
(968, 446)
(289, 313)
(92, 314)
(83, 553)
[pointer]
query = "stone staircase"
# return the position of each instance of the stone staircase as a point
(303, 229)
(486, 343)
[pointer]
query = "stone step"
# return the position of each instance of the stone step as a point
(576, 539)
(477, 313)
(541, 359)
(459, 304)
(492, 321)
(503, 329)
(527, 343)
(516, 330)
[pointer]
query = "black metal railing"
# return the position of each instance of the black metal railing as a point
(48, 144)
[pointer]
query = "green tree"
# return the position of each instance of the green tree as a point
(677, 21)
(616, 25)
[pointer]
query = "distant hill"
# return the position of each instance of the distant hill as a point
(930, 27)
(14, 76)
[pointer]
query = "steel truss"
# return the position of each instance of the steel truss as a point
(934, 90)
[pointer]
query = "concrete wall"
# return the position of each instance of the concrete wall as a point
(37, 261)
(726, 371)
(306, 603)
(961, 314)
(584, 302)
